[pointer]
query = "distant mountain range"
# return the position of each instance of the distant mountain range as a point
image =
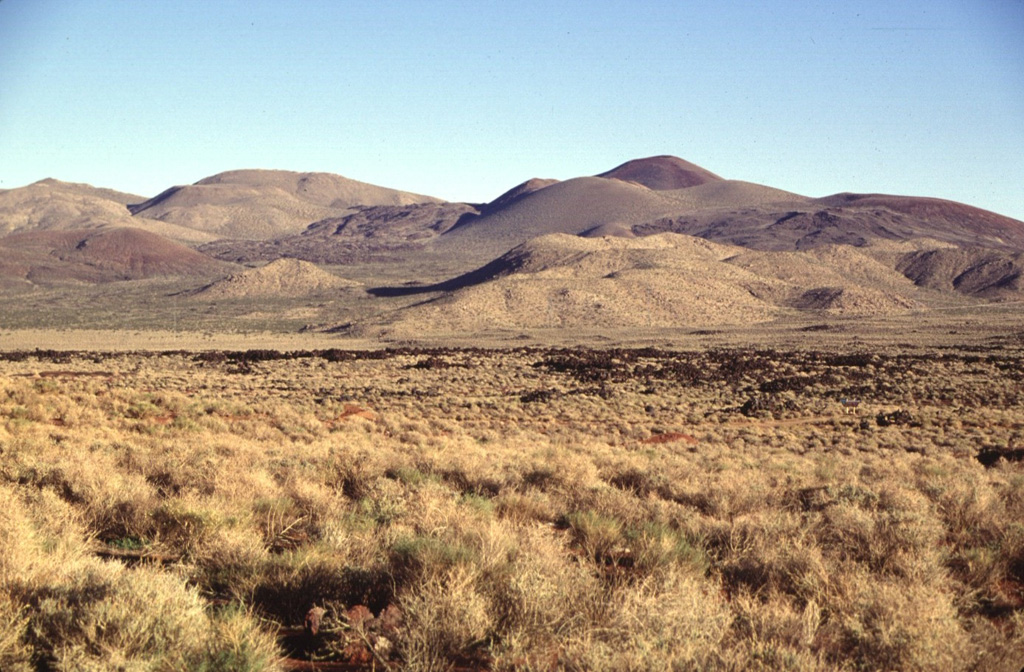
(653, 242)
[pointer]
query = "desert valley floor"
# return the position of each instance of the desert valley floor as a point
(514, 508)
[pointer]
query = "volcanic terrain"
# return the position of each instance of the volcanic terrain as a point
(656, 243)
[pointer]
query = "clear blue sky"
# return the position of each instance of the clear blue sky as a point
(464, 99)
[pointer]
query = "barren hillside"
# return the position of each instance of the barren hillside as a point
(50, 205)
(364, 232)
(572, 206)
(847, 219)
(662, 173)
(261, 204)
(977, 272)
(653, 243)
(99, 255)
(622, 201)
(515, 193)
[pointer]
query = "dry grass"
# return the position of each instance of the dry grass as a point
(527, 509)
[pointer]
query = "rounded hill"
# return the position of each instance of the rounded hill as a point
(572, 206)
(53, 205)
(662, 173)
(561, 281)
(280, 278)
(263, 204)
(101, 255)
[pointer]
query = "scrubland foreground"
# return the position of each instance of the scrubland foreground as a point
(531, 509)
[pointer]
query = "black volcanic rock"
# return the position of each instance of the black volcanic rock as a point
(365, 233)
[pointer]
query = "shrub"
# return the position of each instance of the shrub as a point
(599, 537)
(446, 620)
(15, 652)
(901, 627)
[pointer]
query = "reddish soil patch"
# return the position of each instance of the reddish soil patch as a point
(358, 615)
(104, 255)
(353, 411)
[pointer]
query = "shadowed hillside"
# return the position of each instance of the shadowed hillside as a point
(846, 219)
(365, 232)
(986, 273)
(959, 223)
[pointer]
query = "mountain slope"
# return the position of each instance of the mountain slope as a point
(848, 219)
(638, 198)
(262, 204)
(975, 272)
(515, 193)
(615, 202)
(588, 252)
(572, 206)
(365, 232)
(87, 190)
(52, 205)
(99, 255)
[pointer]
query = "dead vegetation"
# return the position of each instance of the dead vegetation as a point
(526, 508)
